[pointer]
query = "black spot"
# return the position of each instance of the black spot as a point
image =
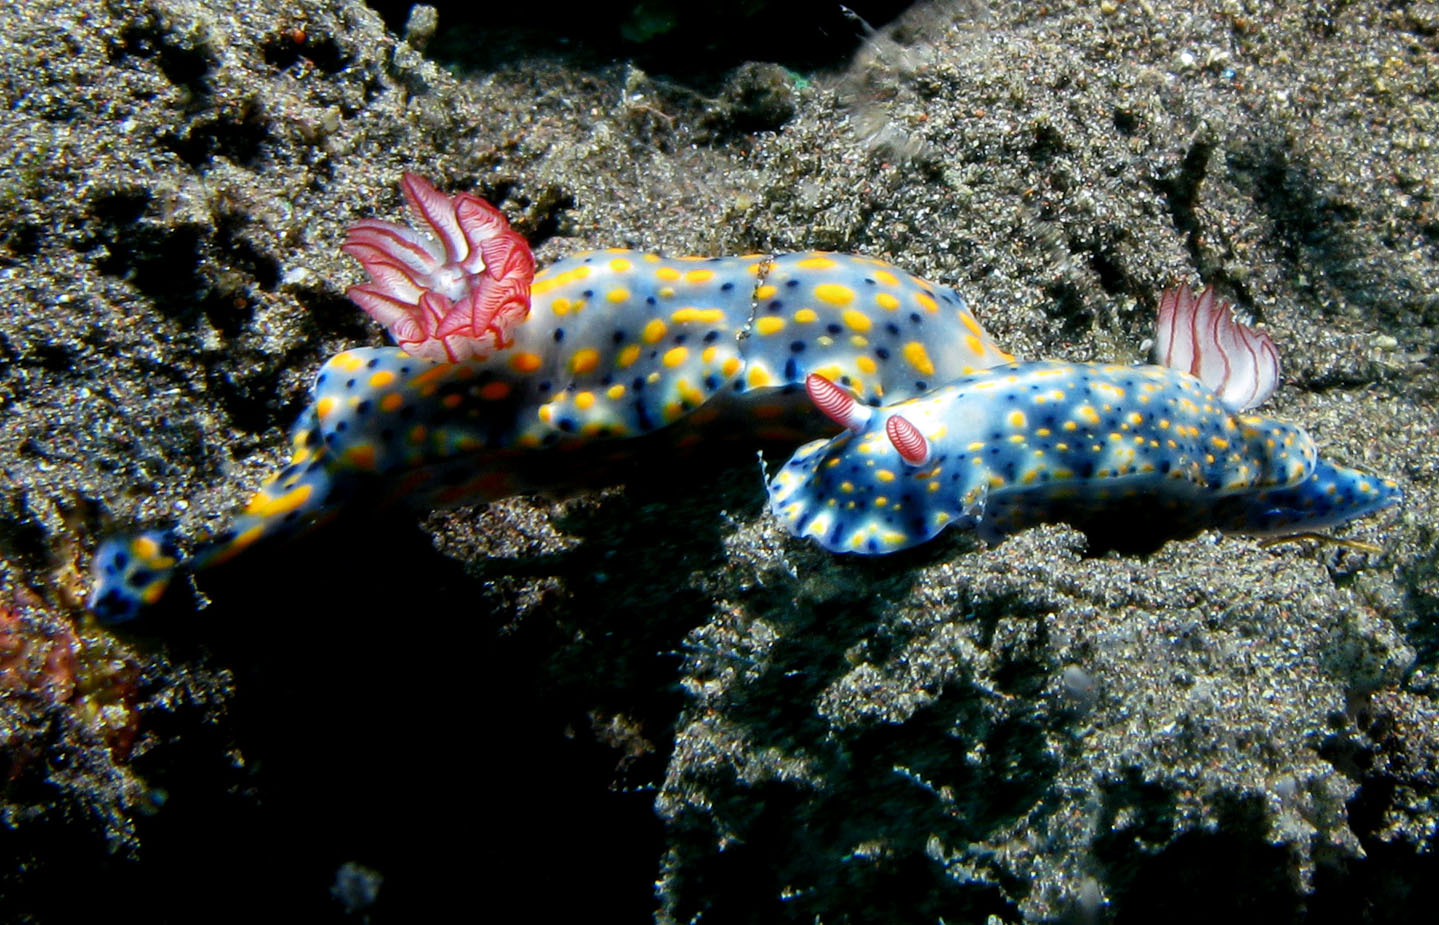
(374, 361)
(791, 368)
(618, 337)
(845, 380)
(892, 328)
(320, 379)
(680, 338)
(543, 387)
(1084, 468)
(638, 384)
(775, 305)
(312, 438)
(711, 382)
(559, 334)
(342, 426)
(711, 337)
(364, 407)
(649, 300)
(349, 383)
(142, 577)
(607, 379)
(915, 318)
(589, 293)
(387, 434)
(869, 281)
(921, 386)
(122, 559)
(796, 346)
(407, 412)
(833, 328)
(881, 353)
(946, 299)
(726, 287)
(404, 371)
(792, 283)
(568, 425)
(642, 417)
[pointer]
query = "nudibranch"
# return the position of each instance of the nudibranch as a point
(505, 381)
(1011, 445)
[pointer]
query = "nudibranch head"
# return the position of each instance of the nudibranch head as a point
(452, 288)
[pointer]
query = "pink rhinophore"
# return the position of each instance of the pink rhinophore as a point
(1200, 336)
(450, 289)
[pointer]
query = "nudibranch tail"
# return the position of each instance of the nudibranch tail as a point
(131, 573)
(1329, 496)
(1201, 336)
(451, 290)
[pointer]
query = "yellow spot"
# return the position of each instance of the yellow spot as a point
(834, 294)
(418, 433)
(560, 306)
(546, 412)
(266, 505)
(817, 263)
(620, 265)
(884, 475)
(699, 276)
(585, 400)
(325, 407)
(676, 356)
(765, 292)
(865, 364)
(525, 362)
(1135, 418)
(654, 331)
(585, 361)
(348, 362)
(360, 455)
(857, 321)
(495, 391)
(668, 274)
(381, 379)
(768, 412)
(886, 277)
(615, 392)
(881, 501)
(930, 305)
(769, 325)
(617, 295)
(627, 356)
(1017, 419)
(1087, 414)
(806, 315)
(918, 357)
(667, 292)
(886, 301)
(145, 547)
(730, 366)
(974, 344)
(759, 378)
(1220, 443)
(968, 321)
(702, 315)
(452, 400)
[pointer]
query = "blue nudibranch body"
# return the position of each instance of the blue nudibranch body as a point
(506, 381)
(1013, 445)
